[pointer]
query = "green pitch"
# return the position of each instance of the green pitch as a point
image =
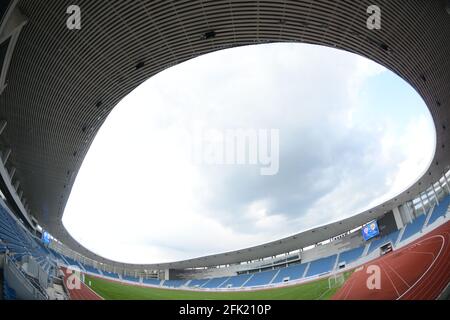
(109, 290)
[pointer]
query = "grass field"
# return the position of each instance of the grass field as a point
(109, 290)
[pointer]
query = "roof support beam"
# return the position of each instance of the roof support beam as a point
(5, 156)
(435, 194)
(10, 29)
(3, 124)
(12, 172)
(17, 185)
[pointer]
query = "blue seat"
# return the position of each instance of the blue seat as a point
(351, 255)
(174, 283)
(261, 278)
(292, 272)
(215, 282)
(440, 209)
(414, 227)
(130, 278)
(155, 282)
(236, 281)
(321, 266)
(110, 274)
(377, 243)
(91, 269)
(197, 283)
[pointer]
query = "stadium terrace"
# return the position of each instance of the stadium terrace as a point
(58, 85)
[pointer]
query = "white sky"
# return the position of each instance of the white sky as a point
(351, 135)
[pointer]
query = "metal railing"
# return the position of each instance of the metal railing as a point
(25, 287)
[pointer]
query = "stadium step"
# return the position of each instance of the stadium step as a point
(243, 285)
(400, 236)
(223, 282)
(336, 262)
(203, 285)
(366, 250)
(430, 212)
(275, 276)
(306, 270)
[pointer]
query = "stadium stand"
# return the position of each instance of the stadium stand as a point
(261, 278)
(38, 89)
(125, 277)
(73, 263)
(215, 282)
(152, 281)
(440, 210)
(90, 269)
(174, 283)
(321, 266)
(350, 255)
(290, 273)
(197, 283)
(236, 281)
(15, 239)
(379, 242)
(413, 227)
(114, 275)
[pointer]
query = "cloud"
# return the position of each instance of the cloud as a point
(140, 198)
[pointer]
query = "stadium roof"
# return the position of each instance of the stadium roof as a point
(62, 84)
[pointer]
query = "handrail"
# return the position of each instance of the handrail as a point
(34, 288)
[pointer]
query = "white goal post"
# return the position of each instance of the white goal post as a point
(336, 280)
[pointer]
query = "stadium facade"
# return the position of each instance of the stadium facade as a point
(58, 85)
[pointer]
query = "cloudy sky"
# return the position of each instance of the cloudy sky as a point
(351, 134)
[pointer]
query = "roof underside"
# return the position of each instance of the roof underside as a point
(63, 83)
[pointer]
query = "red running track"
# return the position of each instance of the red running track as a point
(83, 292)
(418, 271)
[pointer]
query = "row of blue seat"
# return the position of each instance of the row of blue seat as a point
(296, 271)
(14, 238)
(320, 266)
(440, 210)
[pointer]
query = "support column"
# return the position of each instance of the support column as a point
(446, 183)
(398, 218)
(435, 194)
(12, 172)
(428, 198)
(17, 185)
(5, 156)
(3, 124)
(423, 205)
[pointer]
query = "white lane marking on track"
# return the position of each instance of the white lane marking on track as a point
(350, 289)
(396, 273)
(444, 281)
(419, 252)
(390, 280)
(431, 265)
